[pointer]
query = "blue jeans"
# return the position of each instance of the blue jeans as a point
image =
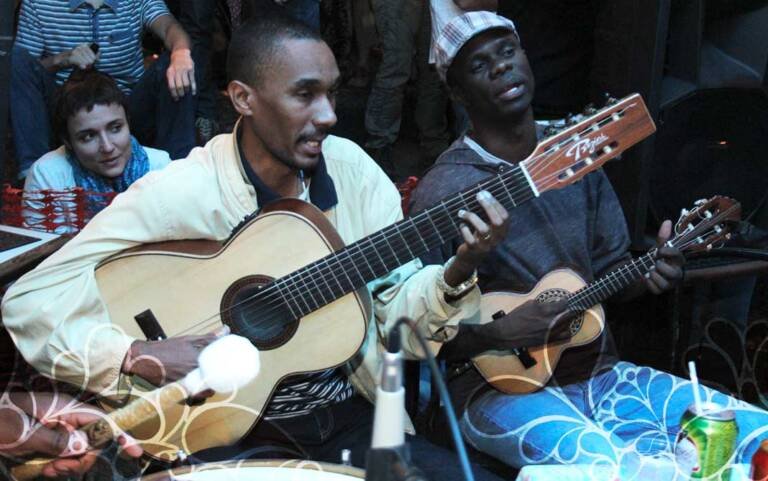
(156, 119)
(624, 418)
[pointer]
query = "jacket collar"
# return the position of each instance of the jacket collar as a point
(322, 191)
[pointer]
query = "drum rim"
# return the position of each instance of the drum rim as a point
(255, 463)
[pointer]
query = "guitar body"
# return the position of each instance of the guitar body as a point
(503, 369)
(186, 291)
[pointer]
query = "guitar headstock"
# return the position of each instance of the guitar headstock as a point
(573, 153)
(707, 224)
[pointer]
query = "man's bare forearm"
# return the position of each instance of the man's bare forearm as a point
(171, 33)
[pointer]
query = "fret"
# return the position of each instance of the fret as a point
(638, 268)
(437, 231)
(418, 234)
(307, 289)
(464, 201)
(294, 286)
(362, 254)
(394, 251)
(342, 268)
(384, 265)
(405, 242)
(278, 286)
(325, 281)
(648, 268)
(450, 217)
(354, 264)
(509, 194)
(610, 281)
(626, 274)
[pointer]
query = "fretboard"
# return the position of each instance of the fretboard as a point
(610, 284)
(357, 264)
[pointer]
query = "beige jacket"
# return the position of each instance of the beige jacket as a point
(61, 326)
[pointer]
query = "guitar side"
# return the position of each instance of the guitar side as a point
(184, 292)
(504, 370)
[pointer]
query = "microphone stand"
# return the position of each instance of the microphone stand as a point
(389, 458)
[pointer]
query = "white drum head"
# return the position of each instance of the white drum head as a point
(287, 470)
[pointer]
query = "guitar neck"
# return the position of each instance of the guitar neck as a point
(555, 163)
(370, 258)
(610, 284)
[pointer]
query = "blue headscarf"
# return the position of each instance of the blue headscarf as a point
(135, 168)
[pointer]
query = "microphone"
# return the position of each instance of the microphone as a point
(388, 419)
(389, 458)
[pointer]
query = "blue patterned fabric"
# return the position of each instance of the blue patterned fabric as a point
(137, 166)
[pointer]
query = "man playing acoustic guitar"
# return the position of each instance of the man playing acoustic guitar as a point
(595, 408)
(284, 80)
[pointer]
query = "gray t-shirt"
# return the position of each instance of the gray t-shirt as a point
(581, 227)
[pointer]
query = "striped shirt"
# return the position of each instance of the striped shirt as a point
(301, 394)
(49, 27)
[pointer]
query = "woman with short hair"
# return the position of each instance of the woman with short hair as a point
(98, 154)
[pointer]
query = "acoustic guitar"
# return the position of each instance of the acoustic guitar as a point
(287, 282)
(527, 370)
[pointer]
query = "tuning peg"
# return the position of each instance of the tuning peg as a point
(570, 119)
(610, 100)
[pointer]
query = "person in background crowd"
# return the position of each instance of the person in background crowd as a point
(55, 37)
(596, 409)
(404, 29)
(98, 153)
(42, 424)
(305, 11)
(197, 19)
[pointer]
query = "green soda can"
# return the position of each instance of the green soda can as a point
(707, 441)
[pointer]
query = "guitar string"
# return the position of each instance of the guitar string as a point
(275, 300)
(280, 299)
(682, 241)
(270, 306)
(318, 268)
(609, 281)
(536, 167)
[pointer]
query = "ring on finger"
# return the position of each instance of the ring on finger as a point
(485, 236)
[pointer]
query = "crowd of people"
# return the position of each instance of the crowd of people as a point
(81, 65)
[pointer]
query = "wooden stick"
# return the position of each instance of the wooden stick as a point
(101, 432)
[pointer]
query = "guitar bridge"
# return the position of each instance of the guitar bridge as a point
(149, 326)
(525, 358)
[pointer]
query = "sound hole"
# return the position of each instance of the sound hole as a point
(252, 310)
(552, 295)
